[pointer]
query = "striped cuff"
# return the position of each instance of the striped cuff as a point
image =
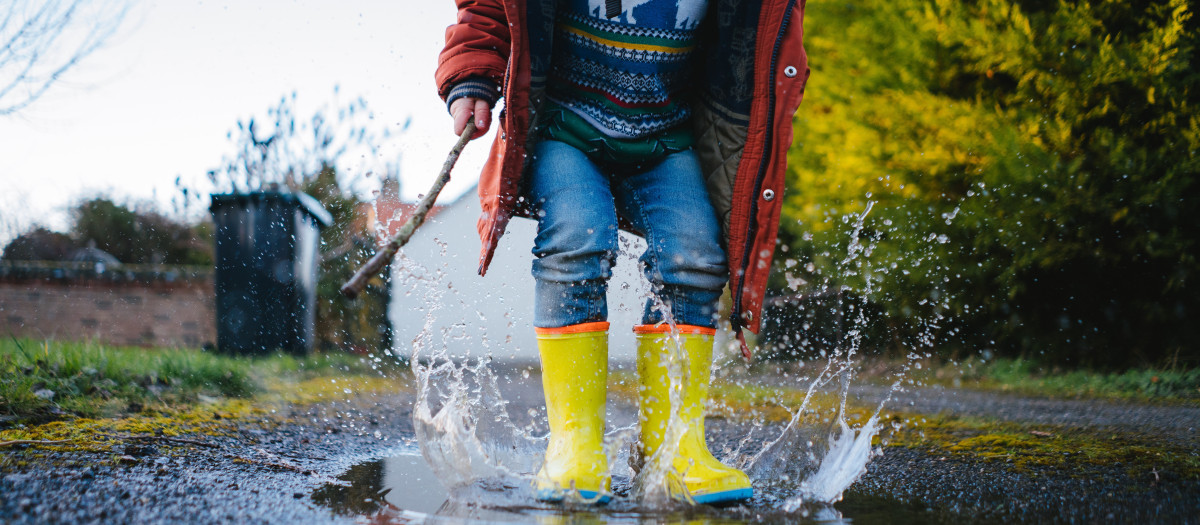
(476, 87)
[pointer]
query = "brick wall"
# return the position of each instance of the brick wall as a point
(143, 306)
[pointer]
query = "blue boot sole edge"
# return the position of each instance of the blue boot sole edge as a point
(551, 496)
(726, 496)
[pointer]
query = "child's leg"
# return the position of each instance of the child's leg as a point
(686, 265)
(684, 260)
(576, 243)
(575, 248)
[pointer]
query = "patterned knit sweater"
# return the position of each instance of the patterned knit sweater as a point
(617, 86)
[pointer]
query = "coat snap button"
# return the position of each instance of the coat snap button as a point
(768, 194)
(748, 316)
(790, 71)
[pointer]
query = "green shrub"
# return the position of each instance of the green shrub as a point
(1031, 167)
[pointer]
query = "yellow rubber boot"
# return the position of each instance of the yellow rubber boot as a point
(708, 480)
(574, 377)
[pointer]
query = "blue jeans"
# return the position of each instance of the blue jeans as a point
(577, 202)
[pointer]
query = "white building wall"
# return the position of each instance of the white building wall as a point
(435, 283)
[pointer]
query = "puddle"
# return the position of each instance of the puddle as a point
(403, 482)
(467, 438)
(404, 489)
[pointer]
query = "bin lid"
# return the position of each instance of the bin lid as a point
(304, 200)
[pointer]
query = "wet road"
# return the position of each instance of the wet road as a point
(266, 474)
(1181, 422)
(286, 470)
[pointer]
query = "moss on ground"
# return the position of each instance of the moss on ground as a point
(222, 417)
(1027, 448)
(97, 399)
(1039, 448)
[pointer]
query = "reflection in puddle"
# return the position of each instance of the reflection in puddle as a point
(414, 485)
(403, 489)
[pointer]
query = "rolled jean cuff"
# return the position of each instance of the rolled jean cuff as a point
(561, 304)
(688, 305)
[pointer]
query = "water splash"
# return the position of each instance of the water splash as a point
(460, 418)
(467, 436)
(844, 462)
(828, 460)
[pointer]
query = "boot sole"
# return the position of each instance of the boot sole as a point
(725, 496)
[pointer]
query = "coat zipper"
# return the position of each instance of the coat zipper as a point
(752, 229)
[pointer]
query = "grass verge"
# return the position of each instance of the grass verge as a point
(1027, 377)
(86, 397)
(48, 380)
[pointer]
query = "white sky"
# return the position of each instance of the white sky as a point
(158, 101)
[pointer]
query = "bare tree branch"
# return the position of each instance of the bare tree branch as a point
(40, 41)
(289, 151)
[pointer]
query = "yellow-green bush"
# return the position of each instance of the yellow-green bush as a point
(1031, 167)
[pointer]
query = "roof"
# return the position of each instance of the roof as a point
(388, 213)
(92, 254)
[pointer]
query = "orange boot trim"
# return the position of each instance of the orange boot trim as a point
(664, 328)
(598, 326)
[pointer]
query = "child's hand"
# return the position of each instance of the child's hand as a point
(464, 109)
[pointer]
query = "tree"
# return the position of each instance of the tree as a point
(291, 151)
(140, 236)
(39, 244)
(351, 324)
(41, 41)
(132, 234)
(1032, 168)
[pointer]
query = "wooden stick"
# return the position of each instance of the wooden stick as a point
(355, 285)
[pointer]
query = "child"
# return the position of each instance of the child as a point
(669, 118)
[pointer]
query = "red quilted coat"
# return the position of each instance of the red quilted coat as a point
(751, 74)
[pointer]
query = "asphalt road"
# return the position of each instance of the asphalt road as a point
(287, 470)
